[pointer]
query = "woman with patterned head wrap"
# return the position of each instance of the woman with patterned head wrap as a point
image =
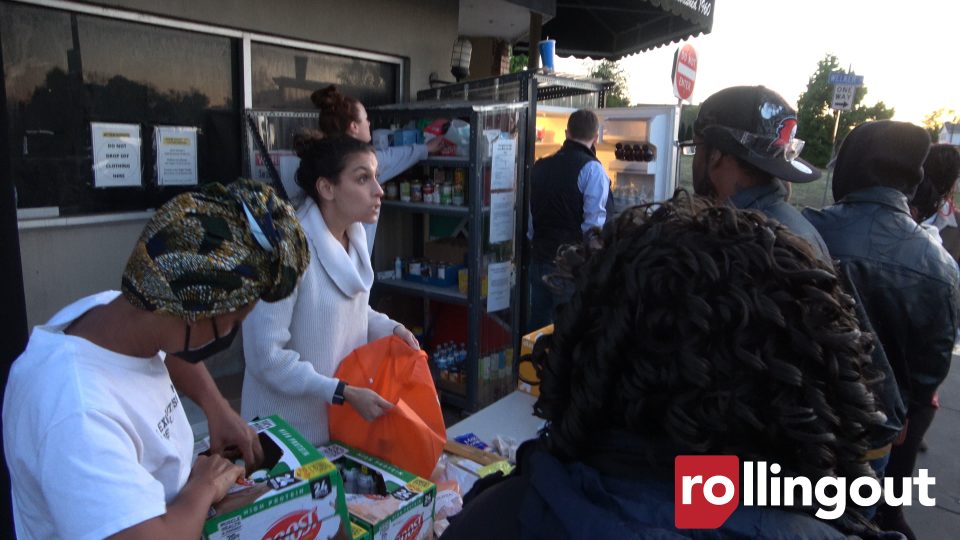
(96, 438)
(293, 347)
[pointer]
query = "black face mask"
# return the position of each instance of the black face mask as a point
(217, 345)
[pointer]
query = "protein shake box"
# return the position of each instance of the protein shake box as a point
(359, 533)
(295, 495)
(390, 503)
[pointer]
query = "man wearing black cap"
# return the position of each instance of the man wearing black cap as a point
(907, 282)
(744, 139)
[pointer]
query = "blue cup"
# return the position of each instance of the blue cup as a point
(548, 49)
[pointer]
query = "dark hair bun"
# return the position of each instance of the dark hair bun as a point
(328, 98)
(305, 141)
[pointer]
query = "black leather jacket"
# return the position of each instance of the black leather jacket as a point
(769, 199)
(906, 281)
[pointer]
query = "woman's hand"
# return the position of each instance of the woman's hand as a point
(366, 402)
(434, 145)
(407, 336)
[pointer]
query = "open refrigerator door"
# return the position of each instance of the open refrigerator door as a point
(637, 147)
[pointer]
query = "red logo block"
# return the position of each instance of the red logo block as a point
(706, 490)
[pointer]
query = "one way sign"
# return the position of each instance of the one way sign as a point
(843, 97)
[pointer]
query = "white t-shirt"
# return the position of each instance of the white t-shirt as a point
(95, 441)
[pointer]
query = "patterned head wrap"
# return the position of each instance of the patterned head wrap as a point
(214, 250)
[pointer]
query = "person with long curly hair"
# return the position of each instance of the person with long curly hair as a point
(693, 329)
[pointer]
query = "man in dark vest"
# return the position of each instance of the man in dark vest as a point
(568, 196)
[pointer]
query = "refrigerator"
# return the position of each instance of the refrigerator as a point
(636, 145)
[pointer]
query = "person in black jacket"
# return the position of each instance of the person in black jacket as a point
(906, 281)
(568, 196)
(745, 147)
(693, 329)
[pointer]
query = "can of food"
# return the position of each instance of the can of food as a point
(405, 191)
(391, 191)
(416, 191)
(428, 192)
(446, 193)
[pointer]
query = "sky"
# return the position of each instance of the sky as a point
(908, 52)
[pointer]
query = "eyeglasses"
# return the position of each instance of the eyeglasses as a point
(688, 148)
(765, 146)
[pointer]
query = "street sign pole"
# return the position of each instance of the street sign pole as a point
(844, 94)
(833, 154)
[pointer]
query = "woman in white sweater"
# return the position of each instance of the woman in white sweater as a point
(294, 346)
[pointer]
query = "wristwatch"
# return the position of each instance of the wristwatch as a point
(338, 398)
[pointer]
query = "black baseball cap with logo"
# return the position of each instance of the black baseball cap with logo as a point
(756, 125)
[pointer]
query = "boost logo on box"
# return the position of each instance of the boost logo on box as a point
(301, 525)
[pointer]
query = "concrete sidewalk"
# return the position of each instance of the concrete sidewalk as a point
(943, 463)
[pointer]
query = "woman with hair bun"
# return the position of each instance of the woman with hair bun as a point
(294, 347)
(342, 115)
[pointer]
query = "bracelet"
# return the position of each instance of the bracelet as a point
(338, 398)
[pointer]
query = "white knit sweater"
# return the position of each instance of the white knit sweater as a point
(293, 347)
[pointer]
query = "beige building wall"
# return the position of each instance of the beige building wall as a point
(422, 30)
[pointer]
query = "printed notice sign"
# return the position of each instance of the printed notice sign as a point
(498, 286)
(116, 155)
(176, 155)
(501, 216)
(504, 172)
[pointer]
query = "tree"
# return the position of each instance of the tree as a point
(816, 119)
(518, 62)
(934, 121)
(611, 71)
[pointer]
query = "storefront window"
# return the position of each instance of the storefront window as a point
(63, 71)
(284, 78)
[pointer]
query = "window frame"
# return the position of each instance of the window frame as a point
(245, 40)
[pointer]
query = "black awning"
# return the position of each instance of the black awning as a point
(613, 29)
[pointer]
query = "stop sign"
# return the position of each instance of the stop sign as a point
(684, 71)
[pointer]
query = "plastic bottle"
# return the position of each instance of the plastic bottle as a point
(398, 268)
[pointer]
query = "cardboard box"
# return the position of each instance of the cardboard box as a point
(394, 505)
(298, 493)
(527, 380)
(359, 533)
(448, 250)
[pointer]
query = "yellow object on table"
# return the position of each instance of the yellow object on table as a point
(527, 379)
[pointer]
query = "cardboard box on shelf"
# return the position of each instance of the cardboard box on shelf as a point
(387, 501)
(448, 250)
(527, 380)
(297, 494)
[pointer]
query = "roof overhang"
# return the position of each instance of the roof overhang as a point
(612, 29)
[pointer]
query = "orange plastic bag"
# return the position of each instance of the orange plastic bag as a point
(411, 435)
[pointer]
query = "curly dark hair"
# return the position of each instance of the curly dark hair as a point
(708, 330)
(940, 172)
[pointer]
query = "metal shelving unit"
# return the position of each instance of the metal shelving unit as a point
(531, 88)
(512, 122)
